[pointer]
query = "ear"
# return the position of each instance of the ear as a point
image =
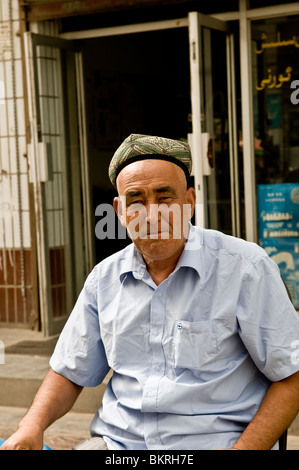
(191, 199)
(120, 210)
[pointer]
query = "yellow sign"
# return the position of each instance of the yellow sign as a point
(278, 43)
(272, 81)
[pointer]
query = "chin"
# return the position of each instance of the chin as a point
(158, 248)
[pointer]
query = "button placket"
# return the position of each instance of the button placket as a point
(157, 314)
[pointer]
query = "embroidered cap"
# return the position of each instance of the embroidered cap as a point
(143, 147)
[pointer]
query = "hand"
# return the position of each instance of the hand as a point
(24, 439)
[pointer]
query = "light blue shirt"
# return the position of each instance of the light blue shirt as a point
(192, 357)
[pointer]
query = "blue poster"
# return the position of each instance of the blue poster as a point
(278, 214)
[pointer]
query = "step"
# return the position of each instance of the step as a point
(22, 375)
(24, 362)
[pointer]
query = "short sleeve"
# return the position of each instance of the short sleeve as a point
(79, 354)
(268, 322)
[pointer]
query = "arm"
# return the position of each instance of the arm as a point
(54, 399)
(277, 411)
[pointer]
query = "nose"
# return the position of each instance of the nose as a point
(153, 214)
(149, 214)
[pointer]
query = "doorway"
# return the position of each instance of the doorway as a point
(140, 83)
(165, 82)
(134, 84)
(55, 175)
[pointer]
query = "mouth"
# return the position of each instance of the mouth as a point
(155, 235)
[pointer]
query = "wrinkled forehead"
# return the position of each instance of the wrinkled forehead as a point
(150, 174)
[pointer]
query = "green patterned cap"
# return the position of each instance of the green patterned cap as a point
(143, 147)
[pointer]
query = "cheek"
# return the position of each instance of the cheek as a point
(136, 222)
(136, 211)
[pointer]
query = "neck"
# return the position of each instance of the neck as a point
(161, 269)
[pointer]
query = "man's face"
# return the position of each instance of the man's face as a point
(155, 206)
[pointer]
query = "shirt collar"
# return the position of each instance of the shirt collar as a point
(133, 261)
(191, 256)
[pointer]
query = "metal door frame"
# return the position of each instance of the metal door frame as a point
(38, 172)
(197, 22)
(244, 16)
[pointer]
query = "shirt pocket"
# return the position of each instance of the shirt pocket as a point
(195, 344)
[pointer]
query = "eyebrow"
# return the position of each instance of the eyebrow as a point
(166, 189)
(131, 194)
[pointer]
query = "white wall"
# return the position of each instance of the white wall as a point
(14, 230)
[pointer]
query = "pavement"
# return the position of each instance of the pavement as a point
(24, 362)
(61, 435)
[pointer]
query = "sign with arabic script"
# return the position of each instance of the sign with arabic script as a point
(279, 43)
(278, 213)
(273, 80)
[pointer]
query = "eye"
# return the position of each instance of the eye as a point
(131, 203)
(165, 199)
(134, 207)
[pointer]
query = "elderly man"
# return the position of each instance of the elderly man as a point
(196, 325)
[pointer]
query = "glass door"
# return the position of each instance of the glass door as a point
(275, 74)
(214, 124)
(55, 172)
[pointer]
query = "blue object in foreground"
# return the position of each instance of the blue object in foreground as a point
(44, 448)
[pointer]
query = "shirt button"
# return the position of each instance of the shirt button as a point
(159, 294)
(152, 441)
(156, 332)
(158, 368)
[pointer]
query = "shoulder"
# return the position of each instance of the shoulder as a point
(226, 245)
(250, 261)
(235, 254)
(110, 268)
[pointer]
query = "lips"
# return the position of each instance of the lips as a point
(156, 233)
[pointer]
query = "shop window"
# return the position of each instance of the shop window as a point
(275, 56)
(275, 59)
